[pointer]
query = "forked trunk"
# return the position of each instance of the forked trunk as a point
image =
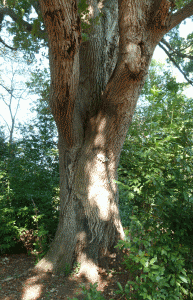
(94, 91)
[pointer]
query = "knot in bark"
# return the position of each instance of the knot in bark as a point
(133, 57)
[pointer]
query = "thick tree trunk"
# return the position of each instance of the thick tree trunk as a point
(93, 110)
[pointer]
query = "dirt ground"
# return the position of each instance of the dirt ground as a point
(19, 281)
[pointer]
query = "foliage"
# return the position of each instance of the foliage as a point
(181, 3)
(178, 47)
(39, 84)
(156, 161)
(27, 29)
(76, 267)
(29, 185)
(161, 267)
(87, 22)
(155, 178)
(90, 294)
(7, 221)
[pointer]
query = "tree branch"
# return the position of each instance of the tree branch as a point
(175, 64)
(8, 90)
(1, 41)
(9, 12)
(5, 122)
(175, 51)
(182, 14)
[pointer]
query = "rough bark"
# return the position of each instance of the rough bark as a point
(95, 86)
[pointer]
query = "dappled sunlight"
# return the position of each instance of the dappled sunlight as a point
(117, 220)
(100, 197)
(32, 290)
(99, 139)
(88, 15)
(44, 265)
(100, 5)
(88, 269)
(98, 192)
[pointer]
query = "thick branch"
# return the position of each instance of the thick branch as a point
(175, 63)
(63, 28)
(182, 14)
(178, 53)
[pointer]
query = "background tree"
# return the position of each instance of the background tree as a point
(95, 86)
(12, 90)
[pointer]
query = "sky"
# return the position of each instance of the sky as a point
(24, 113)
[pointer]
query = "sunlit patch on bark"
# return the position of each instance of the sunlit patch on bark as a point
(44, 265)
(89, 270)
(97, 191)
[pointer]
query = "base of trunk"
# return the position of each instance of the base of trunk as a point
(90, 259)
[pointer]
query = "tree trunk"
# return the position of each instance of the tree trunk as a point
(94, 90)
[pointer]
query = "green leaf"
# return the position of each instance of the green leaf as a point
(183, 278)
(153, 260)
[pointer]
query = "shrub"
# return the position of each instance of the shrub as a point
(161, 266)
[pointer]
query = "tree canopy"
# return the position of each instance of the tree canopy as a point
(24, 22)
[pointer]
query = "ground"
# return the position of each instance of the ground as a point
(19, 281)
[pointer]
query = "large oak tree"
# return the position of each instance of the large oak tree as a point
(95, 84)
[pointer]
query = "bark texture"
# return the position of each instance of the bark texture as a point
(95, 86)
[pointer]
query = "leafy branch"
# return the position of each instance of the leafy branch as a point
(170, 56)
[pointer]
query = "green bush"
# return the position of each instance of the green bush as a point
(162, 268)
(156, 194)
(8, 228)
(29, 187)
(91, 294)
(156, 162)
